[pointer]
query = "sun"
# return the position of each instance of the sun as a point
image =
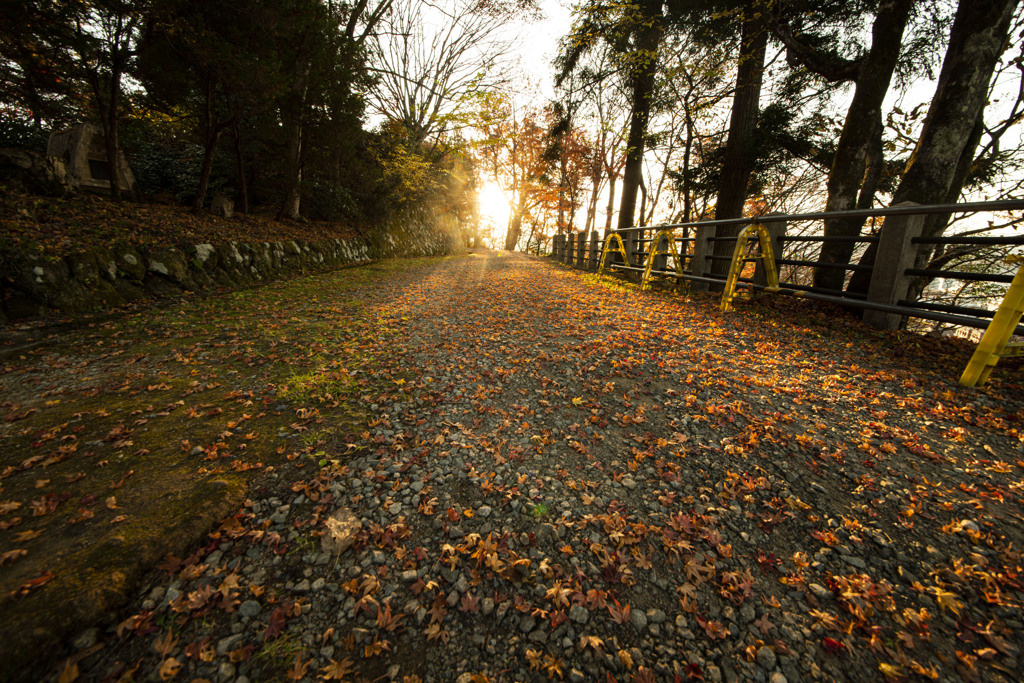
(493, 204)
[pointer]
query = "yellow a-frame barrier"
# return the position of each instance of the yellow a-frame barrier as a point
(994, 344)
(672, 251)
(608, 247)
(739, 260)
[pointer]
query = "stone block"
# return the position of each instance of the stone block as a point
(222, 206)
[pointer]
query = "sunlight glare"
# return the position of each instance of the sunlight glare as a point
(493, 205)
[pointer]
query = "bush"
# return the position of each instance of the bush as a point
(329, 202)
(21, 134)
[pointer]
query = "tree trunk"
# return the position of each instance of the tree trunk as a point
(211, 136)
(739, 153)
(243, 186)
(110, 137)
(210, 150)
(293, 112)
(857, 138)
(595, 191)
(610, 209)
(515, 225)
(293, 192)
(643, 203)
(874, 163)
(941, 161)
(687, 151)
(562, 227)
(642, 87)
(107, 106)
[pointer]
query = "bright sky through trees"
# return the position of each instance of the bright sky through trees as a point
(494, 206)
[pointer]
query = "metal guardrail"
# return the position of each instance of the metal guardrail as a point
(902, 210)
(893, 303)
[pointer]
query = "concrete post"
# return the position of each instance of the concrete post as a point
(630, 239)
(776, 231)
(581, 249)
(889, 282)
(595, 250)
(634, 253)
(702, 247)
(661, 260)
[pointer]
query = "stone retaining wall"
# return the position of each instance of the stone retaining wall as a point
(33, 285)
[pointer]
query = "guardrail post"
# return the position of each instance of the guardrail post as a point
(581, 249)
(661, 249)
(632, 243)
(776, 231)
(595, 250)
(889, 281)
(700, 266)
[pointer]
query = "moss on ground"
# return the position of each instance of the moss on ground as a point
(126, 440)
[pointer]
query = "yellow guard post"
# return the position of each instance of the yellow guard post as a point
(994, 344)
(608, 247)
(738, 260)
(672, 251)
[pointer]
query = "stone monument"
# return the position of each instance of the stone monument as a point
(83, 150)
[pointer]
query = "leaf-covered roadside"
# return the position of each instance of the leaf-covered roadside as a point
(126, 440)
(57, 226)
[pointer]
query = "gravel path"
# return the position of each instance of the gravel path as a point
(576, 482)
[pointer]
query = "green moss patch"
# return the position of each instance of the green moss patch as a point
(127, 440)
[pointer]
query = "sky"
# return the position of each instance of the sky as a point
(537, 45)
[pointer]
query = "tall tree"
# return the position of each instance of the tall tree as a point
(857, 161)
(945, 149)
(325, 43)
(432, 61)
(205, 60)
(107, 31)
(633, 33)
(597, 102)
(643, 68)
(738, 163)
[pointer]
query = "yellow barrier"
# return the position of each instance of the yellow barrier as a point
(672, 251)
(738, 261)
(607, 247)
(995, 342)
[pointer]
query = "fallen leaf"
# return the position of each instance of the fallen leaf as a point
(69, 673)
(169, 669)
(12, 555)
(337, 670)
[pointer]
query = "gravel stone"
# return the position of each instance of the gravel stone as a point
(766, 657)
(249, 608)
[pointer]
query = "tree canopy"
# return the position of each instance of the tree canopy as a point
(664, 110)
